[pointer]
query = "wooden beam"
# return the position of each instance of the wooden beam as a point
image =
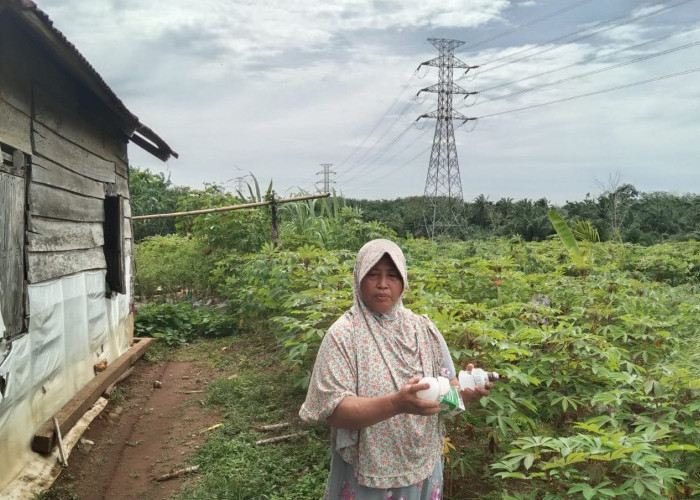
(67, 417)
(231, 207)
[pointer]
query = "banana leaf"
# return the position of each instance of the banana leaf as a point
(564, 232)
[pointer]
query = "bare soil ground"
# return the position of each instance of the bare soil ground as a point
(143, 433)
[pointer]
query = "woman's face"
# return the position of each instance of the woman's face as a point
(382, 286)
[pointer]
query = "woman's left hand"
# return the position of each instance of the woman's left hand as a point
(472, 395)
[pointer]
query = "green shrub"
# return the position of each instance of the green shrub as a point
(180, 322)
(168, 265)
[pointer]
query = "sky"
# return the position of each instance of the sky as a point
(574, 97)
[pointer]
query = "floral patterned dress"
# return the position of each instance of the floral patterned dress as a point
(370, 354)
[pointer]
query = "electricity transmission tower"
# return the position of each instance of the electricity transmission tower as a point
(326, 183)
(443, 211)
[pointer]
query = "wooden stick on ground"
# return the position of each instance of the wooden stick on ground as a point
(280, 438)
(178, 473)
(61, 448)
(272, 427)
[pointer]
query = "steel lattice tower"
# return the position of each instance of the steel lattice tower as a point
(326, 177)
(443, 213)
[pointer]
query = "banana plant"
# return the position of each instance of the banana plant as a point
(581, 258)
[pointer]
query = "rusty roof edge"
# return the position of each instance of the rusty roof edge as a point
(159, 148)
(162, 150)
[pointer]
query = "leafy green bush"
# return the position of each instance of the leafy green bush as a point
(325, 224)
(598, 401)
(168, 265)
(601, 383)
(180, 322)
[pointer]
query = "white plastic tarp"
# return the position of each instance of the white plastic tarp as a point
(72, 325)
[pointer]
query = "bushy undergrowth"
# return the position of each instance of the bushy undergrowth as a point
(600, 400)
(599, 356)
(180, 322)
(168, 265)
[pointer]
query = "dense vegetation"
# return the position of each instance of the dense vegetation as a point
(619, 213)
(599, 346)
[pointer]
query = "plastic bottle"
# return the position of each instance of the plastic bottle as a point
(432, 393)
(476, 378)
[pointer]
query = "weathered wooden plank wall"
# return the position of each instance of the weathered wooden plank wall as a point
(49, 265)
(78, 151)
(50, 235)
(14, 125)
(49, 144)
(49, 173)
(47, 201)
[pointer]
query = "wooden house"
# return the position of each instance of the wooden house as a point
(65, 225)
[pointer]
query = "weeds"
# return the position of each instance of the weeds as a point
(56, 494)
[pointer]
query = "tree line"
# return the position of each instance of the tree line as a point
(619, 213)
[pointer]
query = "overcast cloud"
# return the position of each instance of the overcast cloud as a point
(277, 88)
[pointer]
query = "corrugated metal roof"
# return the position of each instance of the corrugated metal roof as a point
(141, 135)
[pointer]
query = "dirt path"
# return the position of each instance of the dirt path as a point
(143, 433)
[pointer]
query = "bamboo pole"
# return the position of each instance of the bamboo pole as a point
(281, 438)
(231, 207)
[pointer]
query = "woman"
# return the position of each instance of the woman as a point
(387, 443)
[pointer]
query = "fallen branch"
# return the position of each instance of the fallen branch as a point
(272, 427)
(280, 438)
(178, 473)
(190, 392)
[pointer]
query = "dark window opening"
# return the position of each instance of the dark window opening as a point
(114, 243)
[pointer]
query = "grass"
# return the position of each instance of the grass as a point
(252, 390)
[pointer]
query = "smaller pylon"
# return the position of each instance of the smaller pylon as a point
(326, 183)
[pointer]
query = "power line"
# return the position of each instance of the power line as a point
(527, 24)
(369, 150)
(412, 159)
(628, 18)
(588, 94)
(593, 72)
(381, 119)
(376, 155)
(594, 58)
(422, 152)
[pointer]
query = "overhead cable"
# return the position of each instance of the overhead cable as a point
(588, 94)
(607, 27)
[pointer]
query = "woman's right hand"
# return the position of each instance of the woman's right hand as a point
(406, 399)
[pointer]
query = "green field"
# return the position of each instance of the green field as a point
(599, 352)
